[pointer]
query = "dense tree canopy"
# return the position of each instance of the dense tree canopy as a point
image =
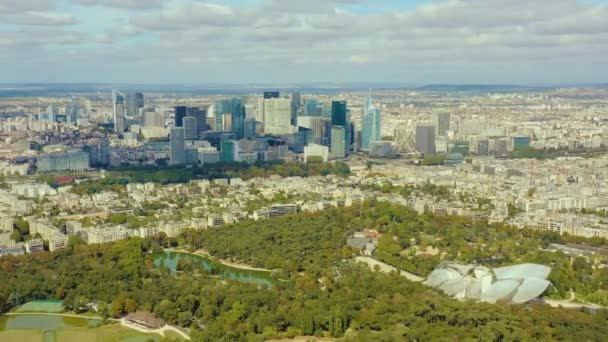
(325, 294)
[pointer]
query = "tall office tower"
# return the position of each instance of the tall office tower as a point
(277, 116)
(441, 120)
(425, 139)
(250, 127)
(340, 117)
(180, 113)
(177, 155)
(371, 127)
(153, 119)
(51, 113)
(337, 149)
(271, 95)
(201, 118)
(190, 128)
(229, 151)
(135, 101)
(259, 113)
(225, 124)
(73, 112)
(118, 105)
(296, 103)
(234, 112)
(311, 108)
(338, 113)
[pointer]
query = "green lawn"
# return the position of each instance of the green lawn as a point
(21, 335)
(108, 333)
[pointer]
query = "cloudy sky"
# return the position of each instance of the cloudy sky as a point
(297, 41)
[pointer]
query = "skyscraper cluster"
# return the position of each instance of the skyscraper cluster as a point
(281, 123)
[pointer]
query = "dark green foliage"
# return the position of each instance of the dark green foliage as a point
(324, 295)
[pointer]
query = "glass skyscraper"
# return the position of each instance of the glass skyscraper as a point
(180, 114)
(338, 113)
(340, 117)
(371, 128)
(118, 106)
(135, 101)
(236, 109)
(177, 154)
(311, 108)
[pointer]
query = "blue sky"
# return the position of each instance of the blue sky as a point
(297, 41)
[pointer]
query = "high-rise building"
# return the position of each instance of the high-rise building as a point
(135, 102)
(371, 127)
(177, 155)
(311, 108)
(250, 128)
(118, 106)
(229, 151)
(425, 139)
(321, 128)
(340, 117)
(51, 113)
(338, 113)
(73, 112)
(441, 120)
(201, 118)
(153, 119)
(277, 116)
(235, 109)
(338, 142)
(271, 94)
(190, 128)
(296, 103)
(180, 113)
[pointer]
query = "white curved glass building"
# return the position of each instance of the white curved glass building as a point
(516, 284)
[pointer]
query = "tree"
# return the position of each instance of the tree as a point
(130, 305)
(338, 323)
(117, 308)
(307, 324)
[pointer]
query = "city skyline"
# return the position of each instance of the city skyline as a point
(419, 42)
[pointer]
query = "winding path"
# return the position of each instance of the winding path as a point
(386, 268)
(160, 331)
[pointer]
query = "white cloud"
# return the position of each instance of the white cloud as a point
(296, 35)
(132, 4)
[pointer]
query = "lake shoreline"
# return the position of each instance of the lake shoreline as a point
(204, 253)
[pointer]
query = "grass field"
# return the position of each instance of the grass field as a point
(108, 333)
(52, 306)
(21, 335)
